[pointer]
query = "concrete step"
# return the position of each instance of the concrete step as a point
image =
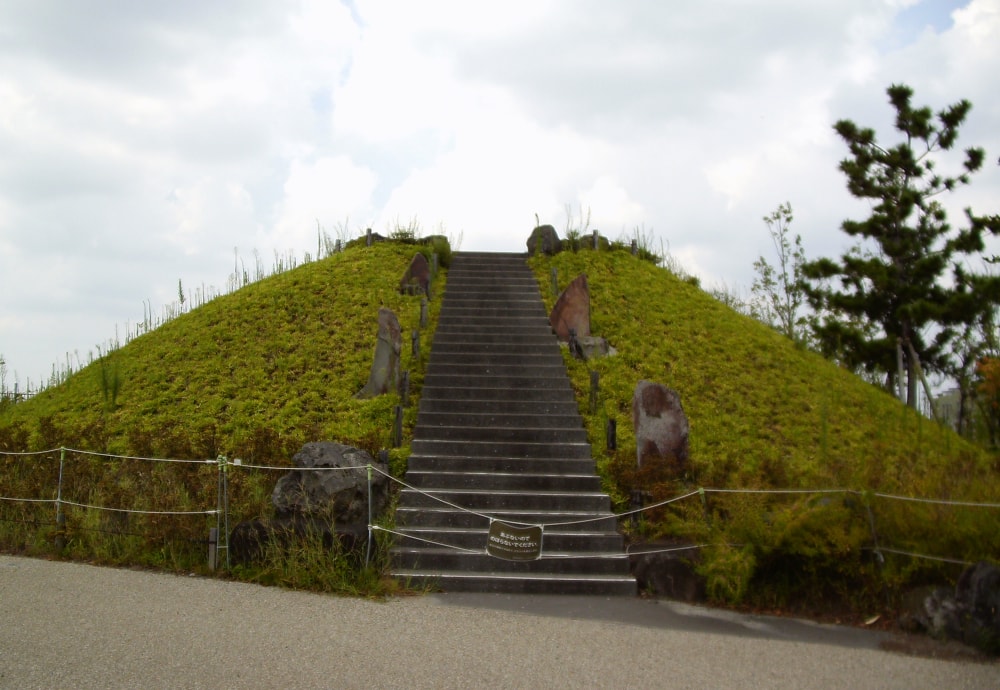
(486, 500)
(487, 449)
(486, 381)
(438, 391)
(503, 481)
(463, 417)
(475, 539)
(443, 367)
(591, 563)
(500, 434)
(423, 516)
(468, 463)
(518, 583)
(432, 404)
(482, 359)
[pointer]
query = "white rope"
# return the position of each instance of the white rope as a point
(295, 469)
(428, 541)
(967, 504)
(452, 505)
(141, 512)
(919, 555)
(28, 500)
(36, 452)
(134, 457)
(630, 552)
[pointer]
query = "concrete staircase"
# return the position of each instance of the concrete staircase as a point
(498, 434)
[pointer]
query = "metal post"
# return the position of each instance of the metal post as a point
(60, 516)
(397, 428)
(213, 547)
(404, 389)
(555, 281)
(423, 311)
(415, 344)
(595, 380)
(611, 432)
(368, 552)
(635, 247)
(597, 244)
(368, 237)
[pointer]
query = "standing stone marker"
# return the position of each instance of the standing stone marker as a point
(384, 376)
(661, 427)
(417, 278)
(572, 310)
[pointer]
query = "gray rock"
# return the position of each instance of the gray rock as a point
(417, 278)
(544, 239)
(970, 613)
(661, 427)
(572, 310)
(669, 574)
(338, 495)
(384, 376)
(594, 347)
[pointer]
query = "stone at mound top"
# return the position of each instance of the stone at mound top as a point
(417, 278)
(338, 495)
(661, 427)
(384, 376)
(544, 239)
(572, 310)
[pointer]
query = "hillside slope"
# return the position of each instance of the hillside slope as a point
(765, 414)
(252, 374)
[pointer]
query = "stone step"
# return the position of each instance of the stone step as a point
(485, 500)
(518, 583)
(463, 417)
(503, 481)
(519, 382)
(423, 516)
(443, 367)
(470, 538)
(436, 391)
(436, 558)
(483, 359)
(465, 462)
(520, 406)
(513, 341)
(486, 449)
(501, 434)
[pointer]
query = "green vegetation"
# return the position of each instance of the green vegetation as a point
(252, 375)
(768, 414)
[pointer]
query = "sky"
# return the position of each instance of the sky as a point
(143, 145)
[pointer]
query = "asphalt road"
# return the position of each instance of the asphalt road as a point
(73, 625)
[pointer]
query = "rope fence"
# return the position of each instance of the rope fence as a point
(219, 535)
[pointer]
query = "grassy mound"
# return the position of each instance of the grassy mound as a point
(250, 375)
(765, 414)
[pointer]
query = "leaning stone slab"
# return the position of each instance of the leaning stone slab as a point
(384, 376)
(661, 427)
(417, 279)
(572, 310)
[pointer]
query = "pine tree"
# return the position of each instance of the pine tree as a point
(896, 300)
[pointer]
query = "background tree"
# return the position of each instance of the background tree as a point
(903, 283)
(778, 294)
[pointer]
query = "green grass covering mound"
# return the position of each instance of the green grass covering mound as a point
(766, 414)
(253, 375)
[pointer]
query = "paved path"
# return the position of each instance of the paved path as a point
(72, 625)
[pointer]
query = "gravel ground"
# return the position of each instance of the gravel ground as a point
(74, 625)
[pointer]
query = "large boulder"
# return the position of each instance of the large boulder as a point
(338, 494)
(384, 376)
(970, 613)
(572, 310)
(661, 427)
(544, 239)
(417, 279)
